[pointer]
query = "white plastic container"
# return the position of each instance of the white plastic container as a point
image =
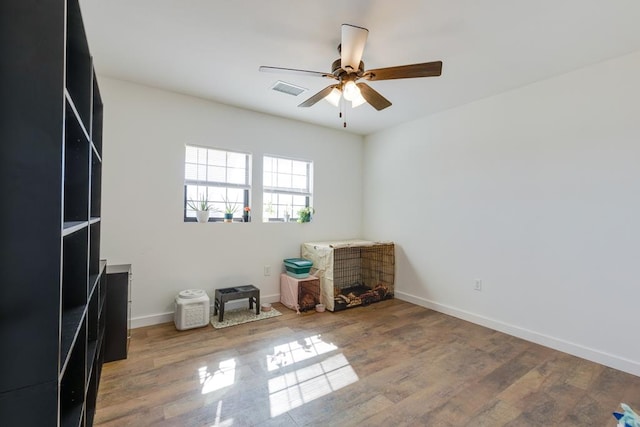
(191, 309)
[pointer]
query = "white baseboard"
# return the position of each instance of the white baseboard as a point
(153, 319)
(156, 319)
(578, 350)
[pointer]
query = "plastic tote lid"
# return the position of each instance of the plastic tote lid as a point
(299, 262)
(191, 293)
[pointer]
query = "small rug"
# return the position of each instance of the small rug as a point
(242, 315)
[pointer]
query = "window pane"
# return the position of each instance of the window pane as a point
(202, 193)
(268, 206)
(285, 205)
(202, 156)
(236, 176)
(215, 200)
(235, 198)
(192, 192)
(191, 155)
(202, 173)
(299, 200)
(217, 174)
(299, 168)
(236, 160)
(284, 180)
(267, 164)
(190, 171)
(217, 195)
(195, 193)
(217, 158)
(284, 165)
(299, 182)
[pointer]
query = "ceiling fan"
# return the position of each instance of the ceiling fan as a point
(349, 68)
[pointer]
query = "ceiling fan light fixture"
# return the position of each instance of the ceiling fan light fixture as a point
(358, 100)
(334, 97)
(351, 91)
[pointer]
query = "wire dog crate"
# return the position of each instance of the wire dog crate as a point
(352, 272)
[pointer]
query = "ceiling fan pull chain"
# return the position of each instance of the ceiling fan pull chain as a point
(344, 115)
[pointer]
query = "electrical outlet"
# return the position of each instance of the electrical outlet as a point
(478, 285)
(267, 270)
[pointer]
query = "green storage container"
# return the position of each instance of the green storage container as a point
(298, 267)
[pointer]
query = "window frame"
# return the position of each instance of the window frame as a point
(307, 193)
(246, 193)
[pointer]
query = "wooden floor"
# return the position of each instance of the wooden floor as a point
(389, 364)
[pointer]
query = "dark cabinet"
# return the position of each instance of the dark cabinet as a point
(118, 318)
(50, 176)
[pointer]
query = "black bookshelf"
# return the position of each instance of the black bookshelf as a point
(118, 313)
(53, 293)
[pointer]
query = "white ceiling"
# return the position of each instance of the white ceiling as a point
(212, 48)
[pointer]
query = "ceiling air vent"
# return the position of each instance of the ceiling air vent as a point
(287, 88)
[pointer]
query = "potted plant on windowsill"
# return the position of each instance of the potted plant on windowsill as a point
(229, 209)
(304, 214)
(202, 207)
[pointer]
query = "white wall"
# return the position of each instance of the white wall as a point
(537, 193)
(143, 175)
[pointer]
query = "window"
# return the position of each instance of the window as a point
(220, 177)
(288, 187)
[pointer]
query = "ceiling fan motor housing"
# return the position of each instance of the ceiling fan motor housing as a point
(340, 72)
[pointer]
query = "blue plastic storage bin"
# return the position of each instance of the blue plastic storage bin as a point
(298, 267)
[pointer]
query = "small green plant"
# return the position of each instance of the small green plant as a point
(201, 204)
(229, 207)
(304, 214)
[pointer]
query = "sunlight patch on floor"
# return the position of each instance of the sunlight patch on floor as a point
(224, 376)
(294, 389)
(297, 351)
(218, 423)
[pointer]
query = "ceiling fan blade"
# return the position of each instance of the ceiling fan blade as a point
(318, 96)
(266, 69)
(427, 69)
(352, 46)
(376, 100)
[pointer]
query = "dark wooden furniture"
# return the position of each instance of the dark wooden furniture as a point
(51, 296)
(118, 317)
(222, 296)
